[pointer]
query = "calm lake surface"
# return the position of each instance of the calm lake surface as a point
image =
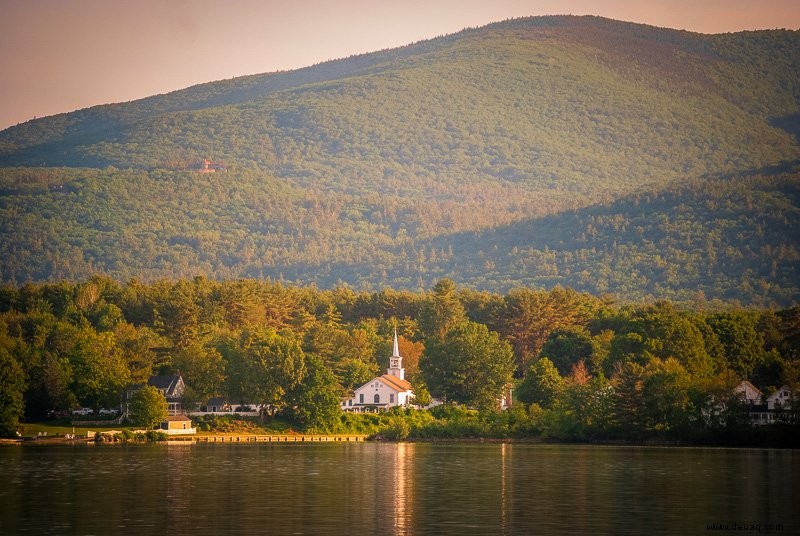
(389, 488)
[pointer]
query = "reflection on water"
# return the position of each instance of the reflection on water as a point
(404, 488)
(505, 488)
(402, 464)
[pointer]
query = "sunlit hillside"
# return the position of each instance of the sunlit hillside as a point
(577, 151)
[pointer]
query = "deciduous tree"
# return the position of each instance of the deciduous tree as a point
(541, 385)
(314, 402)
(470, 365)
(147, 407)
(264, 365)
(12, 387)
(531, 315)
(566, 347)
(99, 371)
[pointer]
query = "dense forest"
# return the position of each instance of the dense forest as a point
(585, 367)
(603, 156)
(703, 241)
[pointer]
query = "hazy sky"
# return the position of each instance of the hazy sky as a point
(60, 55)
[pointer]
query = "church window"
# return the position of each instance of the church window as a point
(361, 398)
(391, 398)
(377, 398)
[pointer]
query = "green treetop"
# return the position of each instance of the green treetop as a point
(470, 365)
(147, 407)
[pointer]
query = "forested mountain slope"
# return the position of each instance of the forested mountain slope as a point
(497, 156)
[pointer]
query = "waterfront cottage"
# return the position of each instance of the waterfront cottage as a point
(383, 392)
(177, 424)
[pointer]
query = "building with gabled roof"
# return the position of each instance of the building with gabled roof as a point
(173, 387)
(177, 425)
(170, 385)
(749, 393)
(210, 166)
(780, 399)
(383, 392)
(761, 410)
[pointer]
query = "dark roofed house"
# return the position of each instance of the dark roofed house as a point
(170, 385)
(217, 404)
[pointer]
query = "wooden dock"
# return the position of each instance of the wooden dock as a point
(249, 438)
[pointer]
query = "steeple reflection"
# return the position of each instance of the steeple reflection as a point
(402, 488)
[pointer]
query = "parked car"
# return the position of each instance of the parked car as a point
(82, 411)
(105, 411)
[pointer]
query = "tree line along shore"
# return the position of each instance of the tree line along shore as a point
(583, 367)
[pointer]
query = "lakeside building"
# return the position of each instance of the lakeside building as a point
(780, 399)
(170, 385)
(177, 425)
(383, 392)
(760, 410)
(218, 404)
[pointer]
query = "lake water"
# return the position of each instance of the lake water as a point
(390, 488)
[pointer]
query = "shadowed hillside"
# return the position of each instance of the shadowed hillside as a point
(439, 158)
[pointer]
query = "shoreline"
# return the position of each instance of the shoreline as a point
(297, 439)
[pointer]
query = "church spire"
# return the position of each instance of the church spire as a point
(396, 362)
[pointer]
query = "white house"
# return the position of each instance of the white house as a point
(506, 400)
(780, 399)
(383, 392)
(753, 400)
(749, 393)
(761, 410)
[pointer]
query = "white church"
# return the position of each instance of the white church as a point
(383, 392)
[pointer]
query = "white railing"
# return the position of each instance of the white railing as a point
(242, 413)
(185, 431)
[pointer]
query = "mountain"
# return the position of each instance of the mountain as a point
(580, 151)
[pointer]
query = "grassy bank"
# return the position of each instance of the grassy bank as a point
(456, 423)
(62, 427)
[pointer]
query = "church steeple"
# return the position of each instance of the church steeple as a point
(396, 362)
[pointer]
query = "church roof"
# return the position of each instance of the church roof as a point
(395, 383)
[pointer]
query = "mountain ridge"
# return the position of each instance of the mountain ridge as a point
(336, 169)
(244, 89)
